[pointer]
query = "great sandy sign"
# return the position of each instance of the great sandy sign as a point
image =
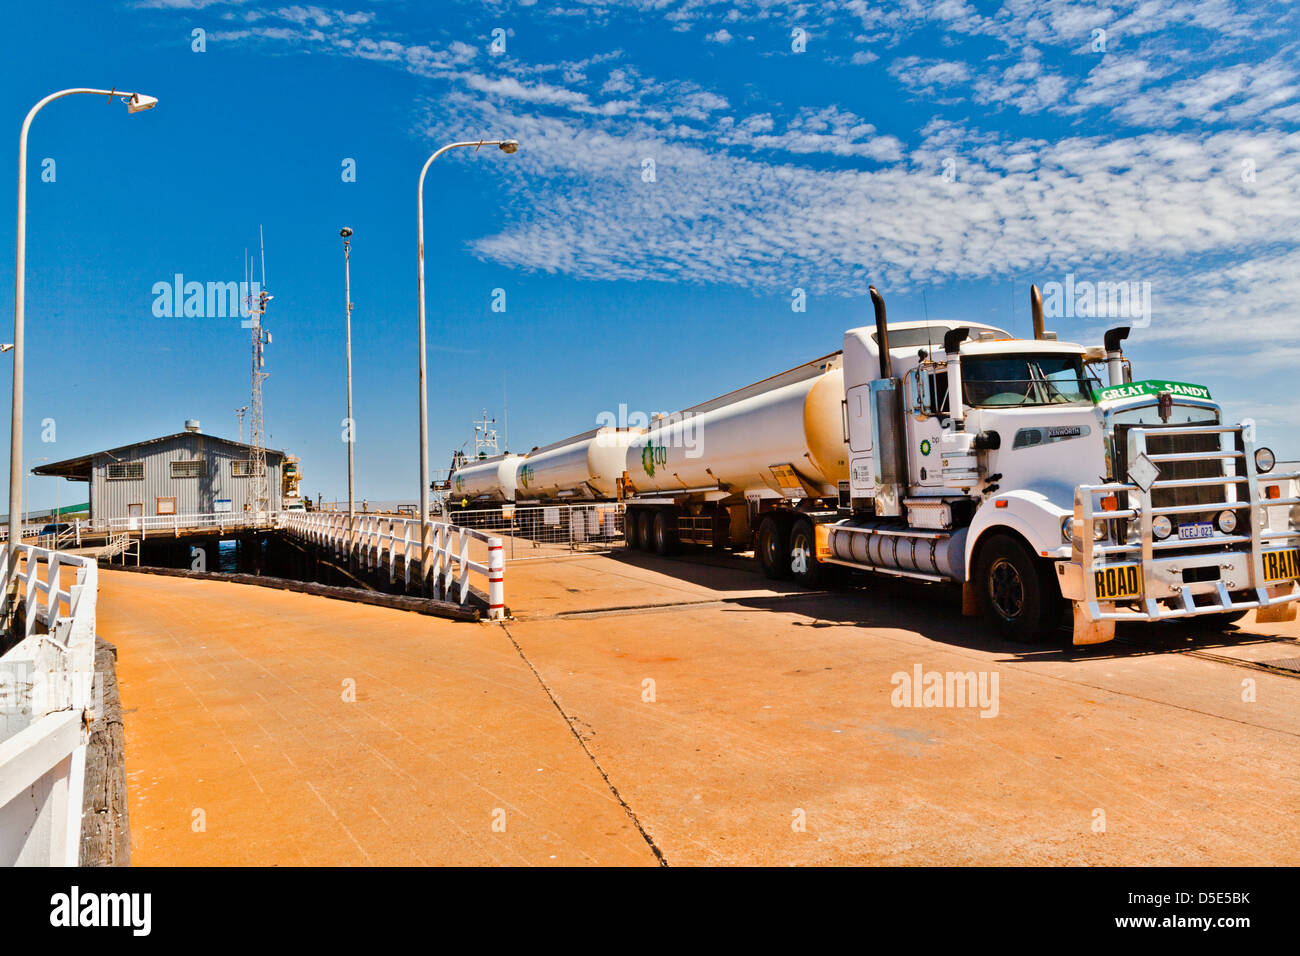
(1150, 387)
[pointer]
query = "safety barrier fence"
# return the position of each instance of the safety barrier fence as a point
(453, 552)
(47, 704)
(546, 531)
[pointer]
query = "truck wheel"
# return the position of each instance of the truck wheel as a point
(773, 549)
(631, 527)
(665, 532)
(804, 566)
(1018, 598)
(645, 530)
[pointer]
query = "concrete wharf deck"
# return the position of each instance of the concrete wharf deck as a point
(536, 742)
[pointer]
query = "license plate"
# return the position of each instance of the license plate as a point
(1282, 565)
(1118, 581)
(1196, 531)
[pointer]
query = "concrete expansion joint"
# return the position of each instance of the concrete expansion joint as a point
(572, 723)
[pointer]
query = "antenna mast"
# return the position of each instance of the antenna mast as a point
(485, 438)
(260, 489)
(239, 412)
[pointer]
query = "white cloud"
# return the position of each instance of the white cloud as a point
(719, 36)
(925, 76)
(1152, 205)
(1234, 94)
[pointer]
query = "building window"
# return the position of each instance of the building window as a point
(195, 468)
(241, 467)
(166, 506)
(125, 470)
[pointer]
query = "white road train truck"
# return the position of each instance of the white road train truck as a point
(956, 453)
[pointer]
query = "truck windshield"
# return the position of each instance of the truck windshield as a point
(1046, 379)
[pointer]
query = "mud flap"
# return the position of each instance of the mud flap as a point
(1091, 632)
(1276, 613)
(970, 602)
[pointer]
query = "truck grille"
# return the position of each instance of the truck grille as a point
(1173, 470)
(1203, 495)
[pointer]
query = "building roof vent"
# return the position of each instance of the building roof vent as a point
(191, 424)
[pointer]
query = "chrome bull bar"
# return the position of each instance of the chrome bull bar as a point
(1171, 575)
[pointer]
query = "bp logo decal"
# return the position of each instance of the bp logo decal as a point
(651, 456)
(926, 447)
(460, 483)
(525, 475)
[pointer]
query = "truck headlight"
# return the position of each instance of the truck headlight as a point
(1161, 526)
(1264, 460)
(1067, 530)
(1227, 521)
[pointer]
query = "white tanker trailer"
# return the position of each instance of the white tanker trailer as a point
(1040, 488)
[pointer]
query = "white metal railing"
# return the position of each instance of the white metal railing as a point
(47, 703)
(144, 525)
(220, 521)
(29, 531)
(375, 537)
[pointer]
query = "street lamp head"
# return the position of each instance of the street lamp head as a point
(6, 347)
(139, 102)
(345, 232)
(509, 146)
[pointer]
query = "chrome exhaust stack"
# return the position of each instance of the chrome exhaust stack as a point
(889, 445)
(882, 333)
(1115, 354)
(952, 340)
(1036, 310)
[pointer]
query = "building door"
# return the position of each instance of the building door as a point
(133, 515)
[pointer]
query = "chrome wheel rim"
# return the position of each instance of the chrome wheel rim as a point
(799, 554)
(1006, 589)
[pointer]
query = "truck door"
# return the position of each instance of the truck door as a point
(857, 401)
(926, 395)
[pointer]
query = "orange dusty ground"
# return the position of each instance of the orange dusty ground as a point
(698, 714)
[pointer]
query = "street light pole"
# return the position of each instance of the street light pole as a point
(135, 103)
(506, 146)
(346, 233)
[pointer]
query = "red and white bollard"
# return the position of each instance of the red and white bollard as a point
(496, 581)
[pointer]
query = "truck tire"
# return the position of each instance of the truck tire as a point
(804, 566)
(1017, 596)
(645, 530)
(665, 532)
(632, 528)
(773, 547)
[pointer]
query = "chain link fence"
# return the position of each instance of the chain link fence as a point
(546, 531)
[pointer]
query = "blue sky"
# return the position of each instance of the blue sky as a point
(951, 153)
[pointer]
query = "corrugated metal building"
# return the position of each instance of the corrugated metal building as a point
(185, 473)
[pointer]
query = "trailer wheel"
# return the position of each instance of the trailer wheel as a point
(645, 530)
(802, 556)
(632, 528)
(773, 549)
(1017, 597)
(665, 532)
